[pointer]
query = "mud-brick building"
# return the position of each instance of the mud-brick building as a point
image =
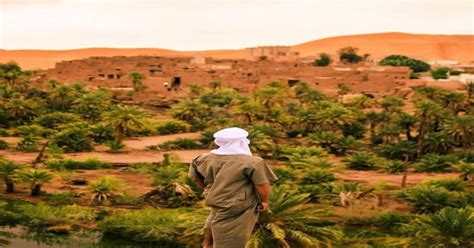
(242, 75)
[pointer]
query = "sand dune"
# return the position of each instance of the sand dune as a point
(427, 47)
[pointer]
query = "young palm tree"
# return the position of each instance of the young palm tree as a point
(343, 90)
(291, 222)
(406, 121)
(91, 105)
(124, 119)
(137, 81)
(453, 101)
(249, 111)
(437, 143)
(461, 129)
(362, 102)
(62, 96)
(189, 110)
(20, 109)
(427, 112)
(392, 104)
(466, 168)
(8, 170)
(36, 178)
(450, 227)
(103, 188)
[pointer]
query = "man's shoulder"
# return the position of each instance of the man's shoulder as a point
(251, 159)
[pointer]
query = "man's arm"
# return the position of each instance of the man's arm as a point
(263, 191)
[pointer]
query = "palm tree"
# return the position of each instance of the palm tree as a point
(103, 188)
(249, 111)
(375, 119)
(261, 143)
(406, 121)
(196, 90)
(189, 110)
(20, 109)
(335, 116)
(450, 227)
(427, 113)
(461, 130)
(8, 170)
(291, 222)
(362, 102)
(124, 119)
(469, 87)
(453, 101)
(92, 104)
(437, 143)
(137, 81)
(392, 104)
(62, 96)
(466, 168)
(36, 178)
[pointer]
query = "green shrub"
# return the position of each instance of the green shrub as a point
(104, 188)
(430, 199)
(414, 75)
(101, 133)
(35, 130)
(172, 127)
(66, 198)
(392, 221)
(41, 215)
(435, 163)
(318, 192)
(323, 60)
(28, 144)
(69, 164)
(74, 139)
(356, 130)
(3, 145)
(162, 227)
(56, 119)
(181, 144)
(284, 175)
(440, 73)
(362, 161)
(450, 227)
(455, 73)
(400, 60)
(115, 145)
(318, 176)
(450, 184)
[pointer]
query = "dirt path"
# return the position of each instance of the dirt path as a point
(141, 143)
(136, 156)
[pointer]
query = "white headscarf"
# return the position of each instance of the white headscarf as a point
(232, 141)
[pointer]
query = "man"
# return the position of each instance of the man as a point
(236, 187)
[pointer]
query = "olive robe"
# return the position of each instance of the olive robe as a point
(230, 192)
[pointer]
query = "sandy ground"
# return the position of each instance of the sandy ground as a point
(427, 47)
(373, 177)
(142, 142)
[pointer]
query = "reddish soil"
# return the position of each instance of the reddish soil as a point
(141, 143)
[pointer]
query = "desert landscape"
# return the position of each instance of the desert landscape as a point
(371, 135)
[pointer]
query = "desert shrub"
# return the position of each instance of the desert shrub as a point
(333, 143)
(284, 175)
(73, 139)
(41, 215)
(435, 163)
(414, 75)
(440, 73)
(101, 133)
(172, 127)
(356, 130)
(28, 144)
(158, 226)
(362, 161)
(349, 55)
(392, 221)
(400, 60)
(395, 166)
(401, 150)
(318, 176)
(450, 227)
(181, 144)
(114, 145)
(450, 184)
(430, 198)
(56, 119)
(35, 130)
(69, 164)
(65, 198)
(3, 145)
(104, 188)
(455, 73)
(323, 60)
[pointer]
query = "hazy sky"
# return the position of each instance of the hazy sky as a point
(218, 24)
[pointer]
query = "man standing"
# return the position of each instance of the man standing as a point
(236, 187)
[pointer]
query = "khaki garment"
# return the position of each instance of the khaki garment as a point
(231, 194)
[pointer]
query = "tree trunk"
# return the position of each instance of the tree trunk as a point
(10, 186)
(404, 179)
(35, 190)
(380, 202)
(40, 154)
